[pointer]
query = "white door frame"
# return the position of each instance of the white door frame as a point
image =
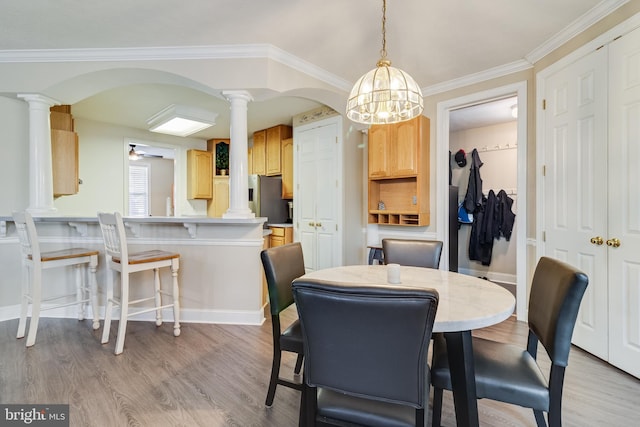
(442, 177)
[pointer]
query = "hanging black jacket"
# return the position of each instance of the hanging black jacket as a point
(473, 197)
(506, 217)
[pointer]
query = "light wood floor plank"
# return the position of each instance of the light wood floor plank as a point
(217, 375)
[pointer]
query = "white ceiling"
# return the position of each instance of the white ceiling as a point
(433, 40)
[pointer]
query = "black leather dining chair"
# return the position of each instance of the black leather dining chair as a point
(283, 264)
(365, 353)
(414, 253)
(511, 374)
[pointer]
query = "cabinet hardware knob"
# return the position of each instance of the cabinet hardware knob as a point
(312, 224)
(613, 243)
(597, 240)
(318, 224)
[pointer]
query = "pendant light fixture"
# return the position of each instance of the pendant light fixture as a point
(385, 94)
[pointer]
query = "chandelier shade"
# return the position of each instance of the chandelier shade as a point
(385, 94)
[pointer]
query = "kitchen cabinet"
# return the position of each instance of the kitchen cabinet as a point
(199, 174)
(64, 152)
(399, 173)
(219, 202)
(219, 147)
(275, 135)
(266, 152)
(259, 152)
(280, 236)
(287, 168)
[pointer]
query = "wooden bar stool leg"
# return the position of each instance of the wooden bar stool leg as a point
(158, 295)
(106, 328)
(80, 289)
(175, 265)
(124, 313)
(24, 305)
(93, 291)
(36, 301)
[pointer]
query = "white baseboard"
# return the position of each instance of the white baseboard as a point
(507, 279)
(232, 317)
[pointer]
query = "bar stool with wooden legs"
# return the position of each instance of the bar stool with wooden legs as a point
(34, 261)
(120, 260)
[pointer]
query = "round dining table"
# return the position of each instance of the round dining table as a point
(465, 303)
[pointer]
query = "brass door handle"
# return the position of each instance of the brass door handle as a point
(312, 224)
(613, 243)
(318, 224)
(597, 240)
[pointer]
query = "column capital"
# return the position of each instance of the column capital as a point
(38, 98)
(237, 94)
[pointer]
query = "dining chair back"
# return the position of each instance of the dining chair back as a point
(414, 253)
(283, 264)
(507, 373)
(34, 261)
(120, 260)
(365, 352)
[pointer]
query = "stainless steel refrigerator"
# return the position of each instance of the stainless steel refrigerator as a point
(265, 198)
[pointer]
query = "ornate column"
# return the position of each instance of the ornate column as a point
(40, 162)
(238, 159)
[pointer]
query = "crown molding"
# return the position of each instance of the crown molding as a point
(581, 24)
(578, 26)
(479, 77)
(176, 53)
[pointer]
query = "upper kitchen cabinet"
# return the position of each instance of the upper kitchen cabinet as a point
(399, 149)
(64, 152)
(199, 174)
(219, 147)
(275, 136)
(259, 153)
(287, 168)
(399, 173)
(267, 150)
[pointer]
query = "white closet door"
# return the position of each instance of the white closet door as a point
(575, 186)
(624, 203)
(318, 196)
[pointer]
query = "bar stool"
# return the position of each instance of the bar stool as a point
(119, 259)
(34, 261)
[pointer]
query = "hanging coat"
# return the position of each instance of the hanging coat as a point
(506, 217)
(473, 197)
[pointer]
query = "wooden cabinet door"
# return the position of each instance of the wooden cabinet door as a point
(259, 152)
(287, 168)
(274, 153)
(403, 148)
(64, 155)
(378, 156)
(219, 202)
(199, 174)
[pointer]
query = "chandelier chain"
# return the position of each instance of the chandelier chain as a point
(383, 51)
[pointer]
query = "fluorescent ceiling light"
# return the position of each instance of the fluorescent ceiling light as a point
(179, 120)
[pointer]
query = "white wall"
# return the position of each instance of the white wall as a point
(103, 159)
(14, 161)
(499, 172)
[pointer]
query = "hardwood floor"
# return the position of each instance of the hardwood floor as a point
(216, 375)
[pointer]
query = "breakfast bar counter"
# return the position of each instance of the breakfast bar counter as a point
(220, 271)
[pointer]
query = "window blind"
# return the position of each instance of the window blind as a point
(138, 190)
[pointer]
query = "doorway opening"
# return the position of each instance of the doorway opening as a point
(451, 113)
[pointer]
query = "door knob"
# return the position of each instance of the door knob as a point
(312, 224)
(318, 224)
(614, 243)
(597, 240)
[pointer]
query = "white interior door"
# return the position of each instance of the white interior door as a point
(624, 203)
(575, 186)
(318, 196)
